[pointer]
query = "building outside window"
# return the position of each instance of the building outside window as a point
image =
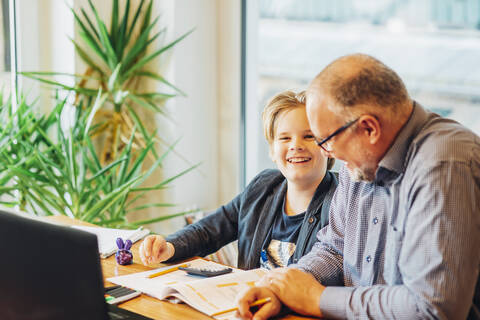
(434, 45)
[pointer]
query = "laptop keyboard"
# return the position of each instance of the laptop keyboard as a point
(116, 313)
(114, 316)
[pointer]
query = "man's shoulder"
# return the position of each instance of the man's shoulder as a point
(444, 140)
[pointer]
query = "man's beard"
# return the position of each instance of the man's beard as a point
(362, 174)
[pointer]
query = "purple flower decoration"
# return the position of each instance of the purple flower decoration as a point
(120, 243)
(128, 244)
(124, 256)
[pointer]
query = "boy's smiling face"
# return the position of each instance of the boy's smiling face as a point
(295, 151)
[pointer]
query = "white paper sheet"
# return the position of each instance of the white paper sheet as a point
(107, 237)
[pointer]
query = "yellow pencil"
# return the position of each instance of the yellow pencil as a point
(159, 273)
(220, 285)
(256, 303)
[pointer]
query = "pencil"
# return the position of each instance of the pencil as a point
(159, 273)
(220, 285)
(256, 303)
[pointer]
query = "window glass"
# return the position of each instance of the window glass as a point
(434, 45)
(5, 65)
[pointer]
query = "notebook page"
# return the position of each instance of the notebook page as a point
(211, 295)
(107, 237)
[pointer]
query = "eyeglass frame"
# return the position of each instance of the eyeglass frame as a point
(336, 132)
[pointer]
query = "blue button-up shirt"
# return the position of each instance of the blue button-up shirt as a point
(407, 245)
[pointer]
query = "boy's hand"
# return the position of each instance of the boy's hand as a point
(154, 249)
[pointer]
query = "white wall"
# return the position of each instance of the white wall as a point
(229, 49)
(206, 65)
(43, 29)
(252, 114)
(194, 70)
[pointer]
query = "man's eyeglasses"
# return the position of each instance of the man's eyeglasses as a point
(326, 144)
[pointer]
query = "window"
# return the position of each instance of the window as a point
(5, 61)
(433, 45)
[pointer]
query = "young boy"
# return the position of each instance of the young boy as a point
(278, 215)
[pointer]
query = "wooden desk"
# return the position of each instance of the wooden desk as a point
(144, 304)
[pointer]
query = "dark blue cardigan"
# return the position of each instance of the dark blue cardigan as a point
(249, 218)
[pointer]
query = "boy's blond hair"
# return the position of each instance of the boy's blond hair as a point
(277, 105)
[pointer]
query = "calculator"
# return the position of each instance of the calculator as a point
(206, 272)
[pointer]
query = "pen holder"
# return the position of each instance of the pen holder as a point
(124, 256)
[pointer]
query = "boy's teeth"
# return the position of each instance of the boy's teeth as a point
(298, 159)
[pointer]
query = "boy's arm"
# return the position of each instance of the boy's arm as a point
(209, 234)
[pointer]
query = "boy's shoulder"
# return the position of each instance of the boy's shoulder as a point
(269, 176)
(266, 180)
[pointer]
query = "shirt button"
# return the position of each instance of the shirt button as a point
(311, 219)
(375, 220)
(369, 258)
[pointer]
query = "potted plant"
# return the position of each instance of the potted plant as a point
(60, 173)
(66, 174)
(118, 61)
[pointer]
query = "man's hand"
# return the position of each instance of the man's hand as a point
(265, 311)
(154, 249)
(298, 290)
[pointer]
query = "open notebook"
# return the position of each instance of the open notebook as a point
(208, 295)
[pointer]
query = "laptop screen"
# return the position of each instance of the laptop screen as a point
(48, 271)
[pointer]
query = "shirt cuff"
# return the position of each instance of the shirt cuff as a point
(334, 301)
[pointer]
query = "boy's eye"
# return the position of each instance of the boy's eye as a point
(284, 138)
(309, 137)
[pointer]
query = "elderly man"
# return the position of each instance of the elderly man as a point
(404, 235)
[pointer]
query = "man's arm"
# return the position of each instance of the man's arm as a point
(439, 257)
(297, 289)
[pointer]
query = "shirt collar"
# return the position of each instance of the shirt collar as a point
(395, 159)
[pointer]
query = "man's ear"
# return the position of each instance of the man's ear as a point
(370, 127)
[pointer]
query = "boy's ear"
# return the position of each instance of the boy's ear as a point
(270, 153)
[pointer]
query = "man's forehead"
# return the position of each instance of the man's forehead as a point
(317, 104)
(321, 118)
(313, 102)
(316, 98)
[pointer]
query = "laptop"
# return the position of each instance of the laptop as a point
(51, 272)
